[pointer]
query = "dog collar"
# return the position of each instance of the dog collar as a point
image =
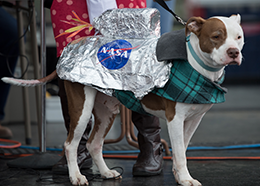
(199, 61)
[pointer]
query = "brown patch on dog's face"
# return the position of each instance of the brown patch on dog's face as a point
(212, 33)
(76, 98)
(154, 102)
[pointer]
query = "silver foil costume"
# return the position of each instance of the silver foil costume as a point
(122, 57)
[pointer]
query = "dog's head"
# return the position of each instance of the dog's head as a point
(221, 37)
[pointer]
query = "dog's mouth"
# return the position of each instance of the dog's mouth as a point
(234, 63)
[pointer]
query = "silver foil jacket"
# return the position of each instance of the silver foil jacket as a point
(122, 57)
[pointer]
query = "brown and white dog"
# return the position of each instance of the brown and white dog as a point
(217, 41)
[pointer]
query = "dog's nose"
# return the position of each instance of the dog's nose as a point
(233, 52)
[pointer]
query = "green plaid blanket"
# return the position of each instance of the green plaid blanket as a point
(185, 85)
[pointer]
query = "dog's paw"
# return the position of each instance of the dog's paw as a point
(190, 183)
(78, 180)
(111, 174)
(185, 179)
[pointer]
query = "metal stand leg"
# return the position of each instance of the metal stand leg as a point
(129, 125)
(35, 60)
(41, 160)
(43, 93)
(27, 117)
(127, 130)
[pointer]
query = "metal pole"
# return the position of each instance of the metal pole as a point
(43, 71)
(36, 64)
(41, 160)
(26, 105)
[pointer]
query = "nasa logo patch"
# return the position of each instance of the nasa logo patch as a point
(114, 55)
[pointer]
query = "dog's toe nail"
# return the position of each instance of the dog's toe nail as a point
(118, 178)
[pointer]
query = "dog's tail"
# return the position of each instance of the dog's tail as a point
(28, 83)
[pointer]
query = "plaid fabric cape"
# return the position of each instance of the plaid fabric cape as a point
(185, 85)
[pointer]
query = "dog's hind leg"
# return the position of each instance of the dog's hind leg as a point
(105, 110)
(80, 104)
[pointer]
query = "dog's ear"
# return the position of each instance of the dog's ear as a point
(194, 24)
(236, 18)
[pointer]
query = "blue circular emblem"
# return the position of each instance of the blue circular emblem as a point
(114, 55)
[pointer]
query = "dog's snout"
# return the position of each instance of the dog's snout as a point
(233, 52)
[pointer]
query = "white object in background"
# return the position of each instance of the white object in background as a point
(53, 110)
(97, 7)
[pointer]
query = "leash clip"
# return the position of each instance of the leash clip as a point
(165, 6)
(180, 20)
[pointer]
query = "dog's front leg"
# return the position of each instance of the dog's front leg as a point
(180, 170)
(190, 127)
(192, 123)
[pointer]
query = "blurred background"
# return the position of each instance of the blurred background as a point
(242, 108)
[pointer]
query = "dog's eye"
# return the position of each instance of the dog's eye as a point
(239, 37)
(215, 37)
